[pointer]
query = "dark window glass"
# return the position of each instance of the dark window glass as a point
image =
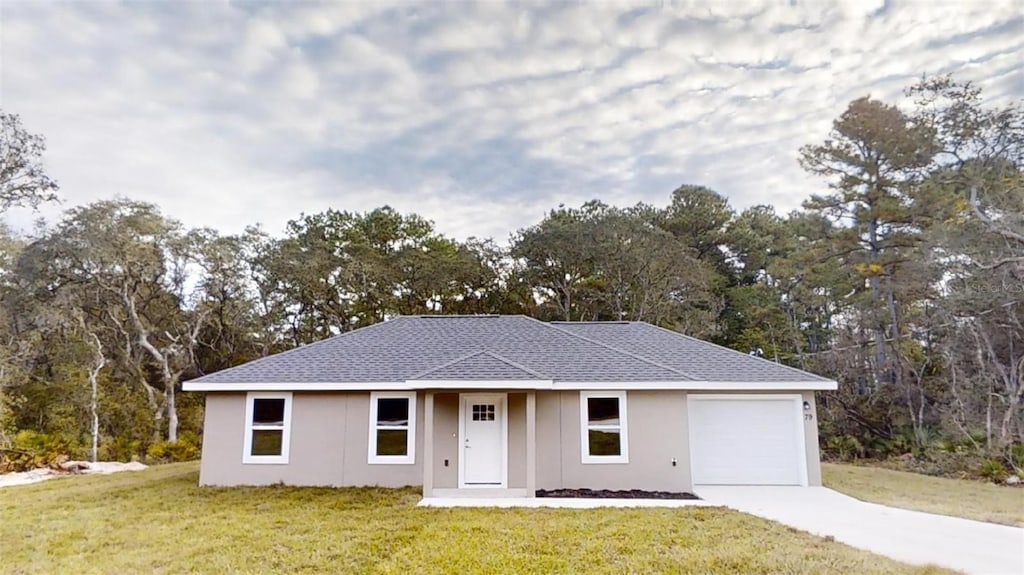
(266, 441)
(268, 411)
(392, 442)
(605, 442)
(484, 412)
(392, 411)
(603, 410)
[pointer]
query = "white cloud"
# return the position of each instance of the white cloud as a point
(479, 116)
(261, 44)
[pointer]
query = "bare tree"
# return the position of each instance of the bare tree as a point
(23, 181)
(99, 361)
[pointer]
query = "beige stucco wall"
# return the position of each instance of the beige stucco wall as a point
(446, 440)
(549, 439)
(811, 441)
(657, 434)
(328, 446)
(330, 433)
(517, 440)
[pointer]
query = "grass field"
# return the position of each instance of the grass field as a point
(159, 521)
(957, 497)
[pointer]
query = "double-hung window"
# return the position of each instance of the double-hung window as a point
(392, 427)
(603, 427)
(268, 422)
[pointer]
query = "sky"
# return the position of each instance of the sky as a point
(480, 117)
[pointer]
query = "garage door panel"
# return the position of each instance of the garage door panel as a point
(748, 441)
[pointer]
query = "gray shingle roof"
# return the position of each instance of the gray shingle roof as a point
(506, 348)
(480, 365)
(699, 359)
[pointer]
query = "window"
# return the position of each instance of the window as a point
(603, 427)
(268, 421)
(483, 412)
(392, 427)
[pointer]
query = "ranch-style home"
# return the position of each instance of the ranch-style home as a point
(508, 405)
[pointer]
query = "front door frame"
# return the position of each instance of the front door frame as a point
(501, 411)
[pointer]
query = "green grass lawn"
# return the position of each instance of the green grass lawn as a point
(957, 497)
(159, 521)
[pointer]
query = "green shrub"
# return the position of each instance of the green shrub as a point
(844, 447)
(993, 470)
(31, 449)
(120, 449)
(899, 445)
(939, 463)
(1015, 455)
(186, 448)
(956, 445)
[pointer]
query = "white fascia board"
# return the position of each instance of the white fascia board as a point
(700, 385)
(743, 397)
(410, 385)
(514, 384)
(297, 386)
(818, 385)
(481, 384)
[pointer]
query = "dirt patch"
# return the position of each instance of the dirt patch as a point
(67, 468)
(609, 494)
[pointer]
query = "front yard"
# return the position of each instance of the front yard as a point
(159, 521)
(956, 497)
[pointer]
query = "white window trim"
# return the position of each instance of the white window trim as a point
(286, 429)
(585, 427)
(410, 448)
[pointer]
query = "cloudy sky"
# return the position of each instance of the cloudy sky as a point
(479, 116)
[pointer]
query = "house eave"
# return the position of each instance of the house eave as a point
(813, 385)
(296, 386)
(528, 384)
(481, 384)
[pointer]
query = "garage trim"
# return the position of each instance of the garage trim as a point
(797, 401)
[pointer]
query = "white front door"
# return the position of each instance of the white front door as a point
(483, 440)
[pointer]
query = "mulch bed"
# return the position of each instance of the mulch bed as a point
(608, 494)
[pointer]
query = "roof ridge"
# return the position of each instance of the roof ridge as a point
(446, 364)
(454, 315)
(508, 361)
(482, 351)
(701, 341)
(302, 346)
(592, 322)
(613, 348)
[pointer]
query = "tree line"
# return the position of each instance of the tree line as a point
(904, 281)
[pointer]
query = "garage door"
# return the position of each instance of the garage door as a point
(747, 440)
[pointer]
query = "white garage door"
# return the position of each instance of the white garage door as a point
(747, 440)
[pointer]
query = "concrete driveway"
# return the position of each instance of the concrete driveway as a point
(909, 536)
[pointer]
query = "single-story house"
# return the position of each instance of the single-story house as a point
(507, 405)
